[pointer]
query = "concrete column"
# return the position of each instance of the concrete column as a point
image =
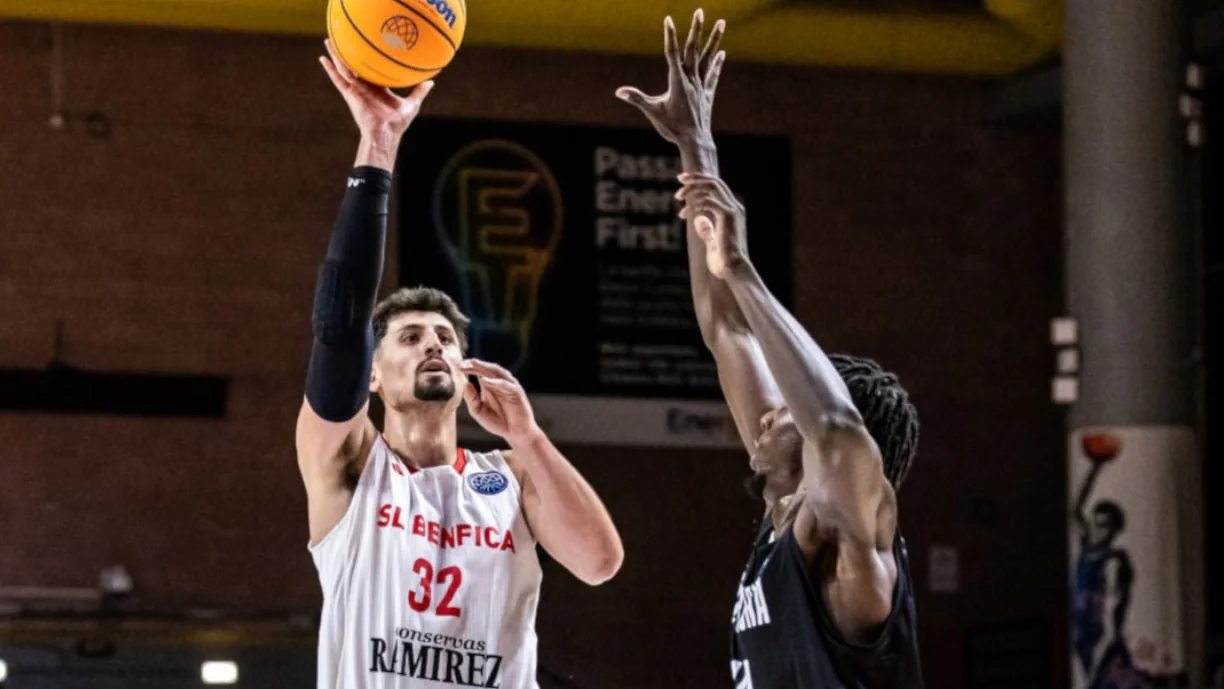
(1128, 246)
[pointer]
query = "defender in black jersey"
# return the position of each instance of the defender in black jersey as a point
(825, 601)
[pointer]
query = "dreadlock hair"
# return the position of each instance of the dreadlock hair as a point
(887, 412)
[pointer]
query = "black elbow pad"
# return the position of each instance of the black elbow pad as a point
(334, 318)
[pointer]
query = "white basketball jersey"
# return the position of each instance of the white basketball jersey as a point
(430, 580)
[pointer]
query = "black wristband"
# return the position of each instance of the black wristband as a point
(370, 178)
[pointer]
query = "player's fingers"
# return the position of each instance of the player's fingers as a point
(634, 97)
(671, 45)
(336, 80)
(704, 205)
(649, 105)
(704, 227)
(689, 188)
(710, 205)
(420, 92)
(341, 68)
(499, 386)
(687, 177)
(715, 71)
(707, 195)
(724, 192)
(488, 368)
(697, 210)
(472, 398)
(711, 47)
(694, 38)
(714, 184)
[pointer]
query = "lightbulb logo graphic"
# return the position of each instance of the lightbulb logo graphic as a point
(497, 210)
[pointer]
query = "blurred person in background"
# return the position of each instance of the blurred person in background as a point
(425, 552)
(825, 600)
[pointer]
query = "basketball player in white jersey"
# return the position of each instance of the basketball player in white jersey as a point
(425, 551)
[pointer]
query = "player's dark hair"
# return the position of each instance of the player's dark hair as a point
(408, 299)
(890, 417)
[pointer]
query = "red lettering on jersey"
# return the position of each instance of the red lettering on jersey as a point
(456, 536)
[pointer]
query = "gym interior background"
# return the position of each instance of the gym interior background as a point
(166, 189)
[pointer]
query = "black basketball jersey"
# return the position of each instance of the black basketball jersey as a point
(783, 636)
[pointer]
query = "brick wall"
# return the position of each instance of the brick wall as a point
(186, 239)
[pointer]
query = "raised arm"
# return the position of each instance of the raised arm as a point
(1099, 448)
(1081, 499)
(333, 430)
(844, 488)
(682, 116)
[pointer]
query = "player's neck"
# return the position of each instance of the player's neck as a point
(423, 437)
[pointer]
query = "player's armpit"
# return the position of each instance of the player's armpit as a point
(843, 481)
(848, 505)
(745, 379)
(329, 455)
(858, 579)
(861, 591)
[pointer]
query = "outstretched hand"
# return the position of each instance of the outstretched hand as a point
(501, 406)
(718, 218)
(682, 113)
(377, 110)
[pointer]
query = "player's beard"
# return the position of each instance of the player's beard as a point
(430, 390)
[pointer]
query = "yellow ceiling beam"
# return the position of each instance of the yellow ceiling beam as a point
(586, 20)
(1006, 36)
(262, 16)
(894, 41)
(1041, 20)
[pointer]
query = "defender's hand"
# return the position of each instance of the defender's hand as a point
(719, 221)
(682, 114)
(377, 110)
(501, 406)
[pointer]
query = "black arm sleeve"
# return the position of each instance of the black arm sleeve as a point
(338, 377)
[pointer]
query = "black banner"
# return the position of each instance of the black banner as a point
(563, 245)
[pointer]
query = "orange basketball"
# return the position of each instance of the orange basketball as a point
(396, 43)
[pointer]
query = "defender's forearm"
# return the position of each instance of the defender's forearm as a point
(712, 300)
(808, 381)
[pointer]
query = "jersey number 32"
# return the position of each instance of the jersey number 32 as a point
(420, 599)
